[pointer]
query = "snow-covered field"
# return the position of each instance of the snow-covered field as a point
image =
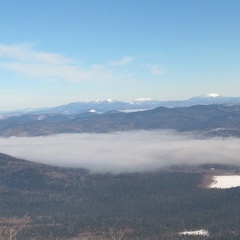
(200, 232)
(228, 181)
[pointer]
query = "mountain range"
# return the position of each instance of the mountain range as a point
(48, 202)
(101, 106)
(211, 120)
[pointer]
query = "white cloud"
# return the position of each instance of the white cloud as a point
(156, 69)
(24, 59)
(122, 62)
(34, 64)
(123, 151)
(25, 53)
(67, 72)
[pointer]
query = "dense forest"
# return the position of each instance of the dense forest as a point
(61, 203)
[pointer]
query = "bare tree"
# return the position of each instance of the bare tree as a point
(11, 227)
(112, 234)
(118, 234)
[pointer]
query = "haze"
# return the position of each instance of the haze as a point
(123, 151)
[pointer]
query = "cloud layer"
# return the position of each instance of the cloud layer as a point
(123, 151)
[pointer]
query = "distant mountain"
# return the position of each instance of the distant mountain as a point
(212, 98)
(212, 120)
(101, 106)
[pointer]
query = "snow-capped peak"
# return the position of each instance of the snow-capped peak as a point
(92, 111)
(213, 95)
(105, 100)
(142, 99)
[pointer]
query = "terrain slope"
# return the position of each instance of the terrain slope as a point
(62, 203)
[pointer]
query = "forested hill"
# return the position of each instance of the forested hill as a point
(65, 203)
(213, 120)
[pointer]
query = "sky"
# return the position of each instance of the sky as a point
(59, 51)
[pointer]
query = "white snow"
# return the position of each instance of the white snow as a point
(200, 232)
(227, 181)
(105, 100)
(213, 95)
(92, 111)
(142, 99)
(111, 100)
(40, 117)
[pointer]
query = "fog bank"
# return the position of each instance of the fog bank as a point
(123, 151)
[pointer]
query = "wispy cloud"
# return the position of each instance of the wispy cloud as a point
(66, 72)
(123, 151)
(156, 69)
(24, 59)
(122, 62)
(25, 53)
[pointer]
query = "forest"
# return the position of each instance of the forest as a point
(61, 203)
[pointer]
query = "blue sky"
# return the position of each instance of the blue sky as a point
(59, 51)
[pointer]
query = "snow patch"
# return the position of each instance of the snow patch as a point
(200, 232)
(142, 99)
(105, 100)
(227, 181)
(41, 117)
(213, 95)
(92, 111)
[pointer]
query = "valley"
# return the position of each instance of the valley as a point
(119, 120)
(121, 175)
(66, 203)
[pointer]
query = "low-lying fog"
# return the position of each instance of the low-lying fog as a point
(123, 151)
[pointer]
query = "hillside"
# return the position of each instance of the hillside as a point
(212, 120)
(65, 203)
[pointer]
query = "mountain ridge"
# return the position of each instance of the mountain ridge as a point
(212, 120)
(101, 106)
